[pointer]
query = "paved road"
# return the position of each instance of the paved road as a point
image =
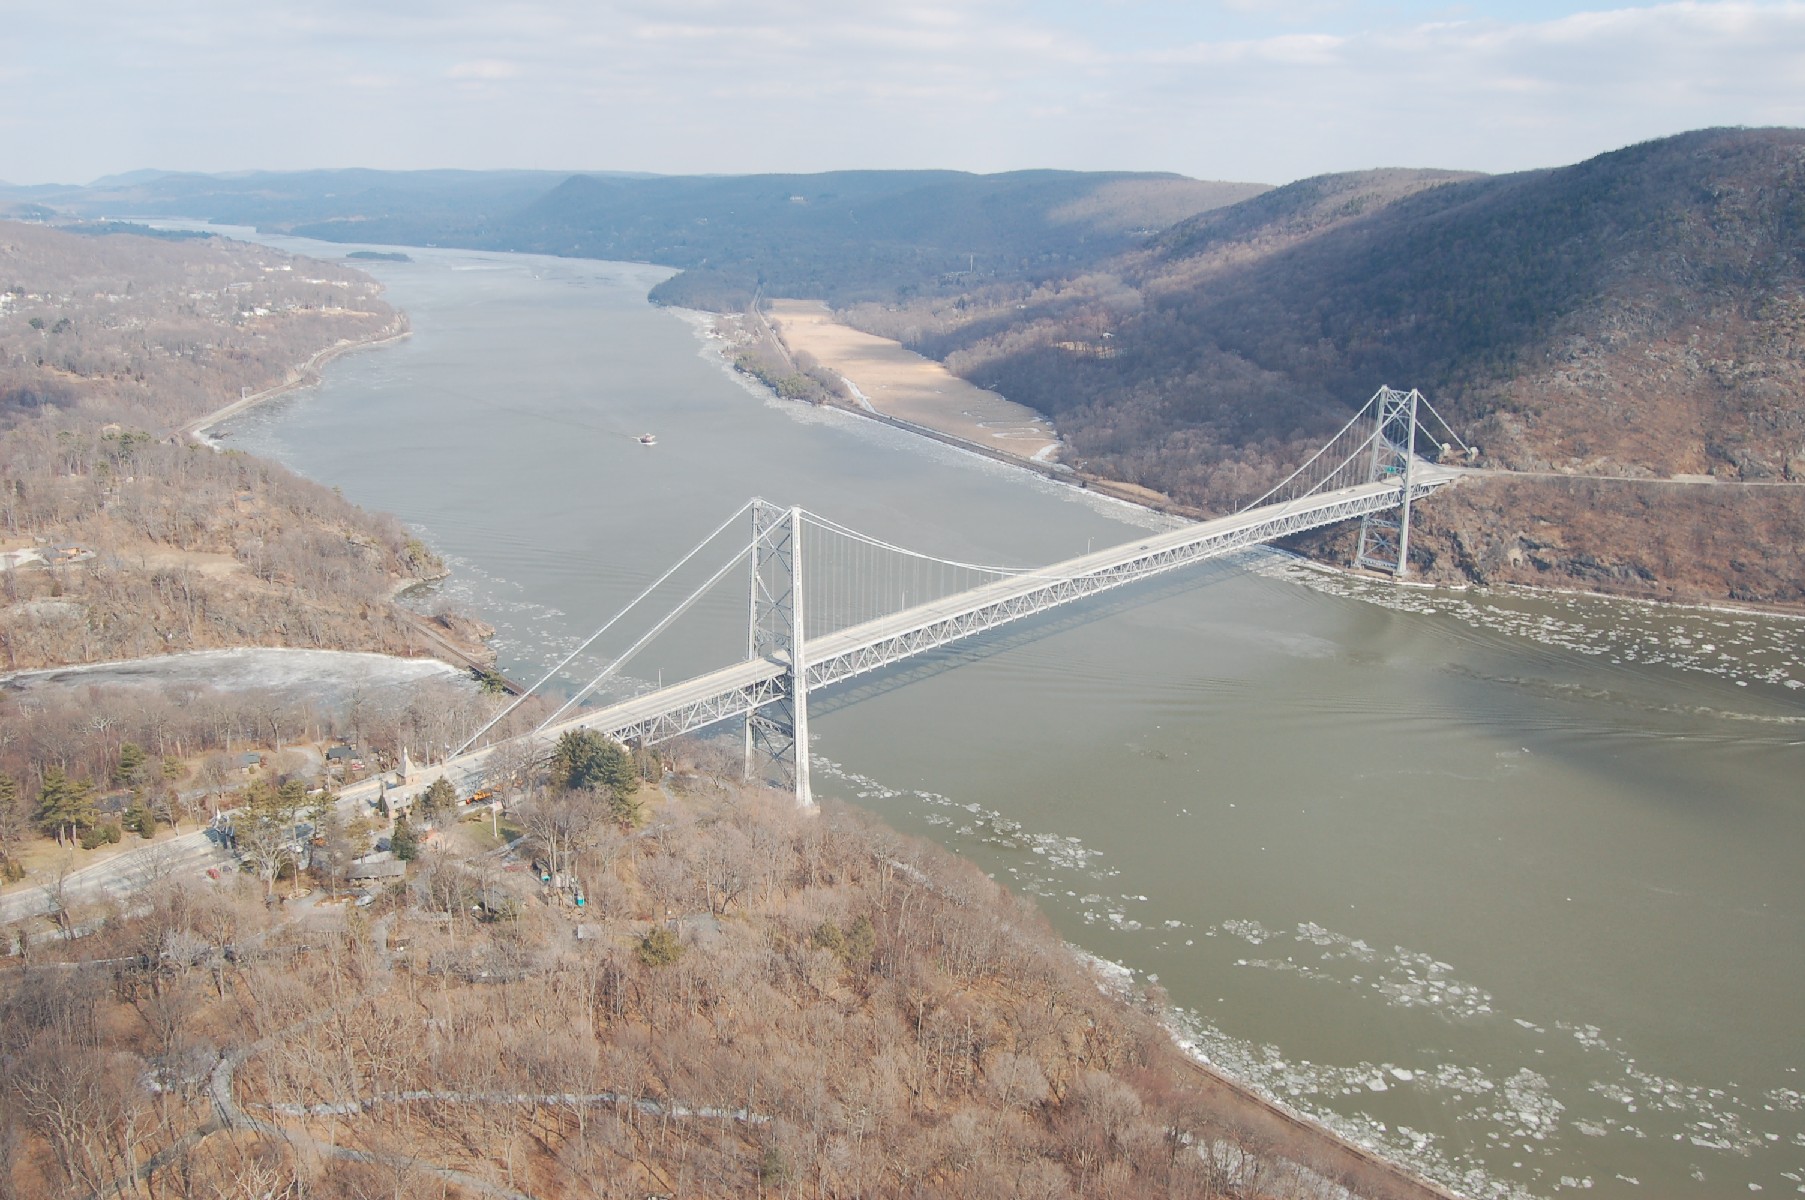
(187, 856)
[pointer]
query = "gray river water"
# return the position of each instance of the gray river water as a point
(1508, 886)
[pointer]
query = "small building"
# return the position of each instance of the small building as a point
(342, 754)
(249, 761)
(392, 868)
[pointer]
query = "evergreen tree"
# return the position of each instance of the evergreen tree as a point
(13, 822)
(440, 798)
(131, 759)
(64, 805)
(403, 841)
(587, 761)
(659, 947)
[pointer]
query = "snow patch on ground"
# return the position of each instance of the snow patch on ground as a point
(320, 674)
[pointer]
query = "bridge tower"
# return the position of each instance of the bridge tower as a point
(1385, 537)
(779, 730)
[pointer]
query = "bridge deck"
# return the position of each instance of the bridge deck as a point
(733, 691)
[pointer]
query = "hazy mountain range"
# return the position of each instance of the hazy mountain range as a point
(1637, 316)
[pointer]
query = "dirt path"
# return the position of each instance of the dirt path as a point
(1669, 480)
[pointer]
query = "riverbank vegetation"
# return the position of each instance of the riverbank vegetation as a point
(123, 540)
(750, 1001)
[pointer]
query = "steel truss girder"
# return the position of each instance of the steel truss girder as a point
(940, 632)
(697, 714)
(773, 687)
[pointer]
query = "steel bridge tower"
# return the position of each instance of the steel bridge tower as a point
(779, 730)
(1385, 536)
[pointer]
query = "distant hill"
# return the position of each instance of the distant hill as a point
(411, 207)
(842, 236)
(1638, 314)
(848, 235)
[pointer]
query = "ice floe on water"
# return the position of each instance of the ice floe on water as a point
(1740, 647)
(1405, 978)
(1515, 1105)
(327, 675)
(1051, 857)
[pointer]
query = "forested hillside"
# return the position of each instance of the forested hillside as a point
(1636, 315)
(752, 1001)
(124, 540)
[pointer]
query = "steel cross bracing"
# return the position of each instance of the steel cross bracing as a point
(736, 691)
(879, 643)
(765, 685)
(1384, 541)
(778, 727)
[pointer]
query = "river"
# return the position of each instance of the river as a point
(1506, 885)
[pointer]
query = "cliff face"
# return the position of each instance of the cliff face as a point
(1639, 315)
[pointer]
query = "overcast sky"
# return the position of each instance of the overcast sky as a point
(1217, 89)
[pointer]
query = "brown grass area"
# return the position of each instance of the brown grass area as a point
(902, 384)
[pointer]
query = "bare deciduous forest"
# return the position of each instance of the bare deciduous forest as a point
(750, 1001)
(135, 541)
(1636, 315)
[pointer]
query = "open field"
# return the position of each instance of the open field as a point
(897, 382)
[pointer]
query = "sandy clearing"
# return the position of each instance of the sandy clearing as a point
(899, 383)
(204, 562)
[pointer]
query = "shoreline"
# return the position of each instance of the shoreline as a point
(1404, 1180)
(305, 375)
(1161, 504)
(442, 645)
(706, 326)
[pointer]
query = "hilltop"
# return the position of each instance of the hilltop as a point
(749, 1001)
(1636, 315)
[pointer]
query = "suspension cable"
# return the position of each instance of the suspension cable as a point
(1286, 482)
(878, 543)
(737, 560)
(1444, 424)
(588, 641)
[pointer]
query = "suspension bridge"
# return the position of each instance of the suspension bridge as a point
(826, 603)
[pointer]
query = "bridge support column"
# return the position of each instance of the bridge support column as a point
(1385, 537)
(779, 730)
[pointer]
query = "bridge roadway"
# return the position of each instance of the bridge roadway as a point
(732, 692)
(736, 690)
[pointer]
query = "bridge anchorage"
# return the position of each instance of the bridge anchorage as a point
(827, 603)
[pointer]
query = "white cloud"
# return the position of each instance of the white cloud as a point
(708, 85)
(485, 69)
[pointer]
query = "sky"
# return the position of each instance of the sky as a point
(1258, 90)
